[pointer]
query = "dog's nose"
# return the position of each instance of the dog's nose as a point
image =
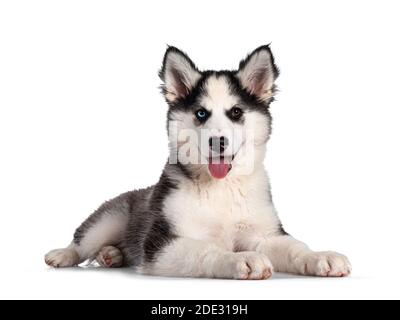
(218, 144)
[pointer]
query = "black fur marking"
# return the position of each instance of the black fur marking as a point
(160, 232)
(161, 190)
(282, 231)
(158, 237)
(148, 230)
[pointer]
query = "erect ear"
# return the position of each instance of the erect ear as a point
(179, 74)
(258, 72)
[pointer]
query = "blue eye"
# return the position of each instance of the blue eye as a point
(202, 114)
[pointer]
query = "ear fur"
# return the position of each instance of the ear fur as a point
(178, 73)
(257, 73)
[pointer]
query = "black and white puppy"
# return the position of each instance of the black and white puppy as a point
(211, 213)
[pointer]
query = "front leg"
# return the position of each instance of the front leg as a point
(185, 257)
(292, 256)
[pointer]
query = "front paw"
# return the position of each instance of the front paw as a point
(250, 266)
(324, 264)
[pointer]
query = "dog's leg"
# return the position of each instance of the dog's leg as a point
(110, 257)
(102, 229)
(292, 256)
(65, 257)
(185, 257)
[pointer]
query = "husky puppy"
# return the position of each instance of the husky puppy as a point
(211, 213)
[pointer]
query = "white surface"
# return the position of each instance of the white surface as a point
(82, 120)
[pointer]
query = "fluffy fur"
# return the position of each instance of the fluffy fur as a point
(204, 219)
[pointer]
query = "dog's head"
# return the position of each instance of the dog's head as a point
(218, 121)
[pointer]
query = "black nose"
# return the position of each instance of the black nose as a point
(218, 144)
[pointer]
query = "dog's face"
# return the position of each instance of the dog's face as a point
(218, 121)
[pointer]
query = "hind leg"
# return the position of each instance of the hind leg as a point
(110, 257)
(60, 258)
(104, 228)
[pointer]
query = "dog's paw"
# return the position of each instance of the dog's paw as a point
(251, 266)
(110, 257)
(325, 264)
(60, 258)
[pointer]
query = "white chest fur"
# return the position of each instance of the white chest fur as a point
(221, 210)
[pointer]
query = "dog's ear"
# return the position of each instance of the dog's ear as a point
(258, 72)
(179, 75)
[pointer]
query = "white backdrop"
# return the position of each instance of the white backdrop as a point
(82, 120)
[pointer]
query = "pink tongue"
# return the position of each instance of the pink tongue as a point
(218, 170)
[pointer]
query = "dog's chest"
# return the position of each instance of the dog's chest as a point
(218, 212)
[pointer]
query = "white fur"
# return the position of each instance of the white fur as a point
(218, 96)
(108, 230)
(214, 210)
(60, 258)
(229, 228)
(187, 257)
(230, 216)
(218, 218)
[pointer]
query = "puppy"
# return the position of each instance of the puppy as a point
(211, 213)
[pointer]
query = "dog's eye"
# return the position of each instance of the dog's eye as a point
(202, 114)
(236, 113)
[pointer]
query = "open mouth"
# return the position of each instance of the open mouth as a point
(220, 166)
